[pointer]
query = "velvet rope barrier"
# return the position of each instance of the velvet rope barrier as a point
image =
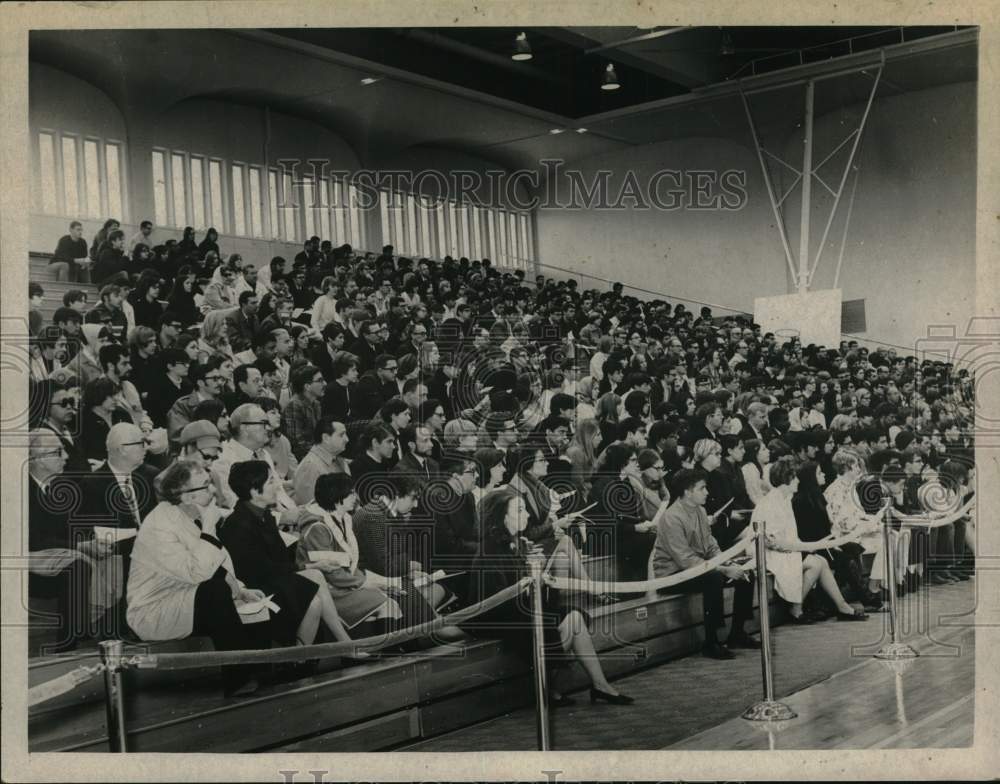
(63, 684)
(641, 586)
(926, 521)
(184, 661)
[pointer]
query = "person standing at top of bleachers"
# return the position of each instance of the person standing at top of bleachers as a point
(144, 236)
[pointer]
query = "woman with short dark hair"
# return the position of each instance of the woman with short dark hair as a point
(328, 543)
(500, 565)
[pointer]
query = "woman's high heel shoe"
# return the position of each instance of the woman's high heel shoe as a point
(614, 699)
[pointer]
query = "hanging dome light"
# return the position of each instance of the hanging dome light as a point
(610, 79)
(522, 49)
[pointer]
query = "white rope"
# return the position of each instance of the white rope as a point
(641, 586)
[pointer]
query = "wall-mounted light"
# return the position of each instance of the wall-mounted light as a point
(522, 49)
(610, 79)
(369, 80)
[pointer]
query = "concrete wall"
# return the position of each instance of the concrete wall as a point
(720, 256)
(910, 249)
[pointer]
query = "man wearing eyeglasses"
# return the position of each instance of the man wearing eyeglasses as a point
(248, 428)
(63, 404)
(58, 568)
(375, 387)
(208, 384)
(119, 494)
(418, 336)
(365, 348)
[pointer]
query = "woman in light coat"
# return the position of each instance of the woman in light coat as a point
(181, 579)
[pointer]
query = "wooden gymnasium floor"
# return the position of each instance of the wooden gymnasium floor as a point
(844, 698)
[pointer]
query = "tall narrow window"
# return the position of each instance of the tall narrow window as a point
(308, 204)
(272, 202)
(491, 237)
(179, 189)
(239, 202)
(502, 237)
(47, 161)
(399, 230)
(160, 188)
(357, 223)
(70, 177)
(198, 193)
(92, 177)
(288, 202)
(515, 257)
(426, 241)
(115, 184)
(218, 216)
(323, 208)
(462, 213)
(256, 218)
(528, 247)
(339, 208)
(474, 224)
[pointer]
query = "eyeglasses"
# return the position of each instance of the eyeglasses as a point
(144, 442)
(215, 378)
(391, 367)
(50, 453)
(439, 413)
(68, 402)
(196, 489)
(256, 422)
(208, 457)
(471, 471)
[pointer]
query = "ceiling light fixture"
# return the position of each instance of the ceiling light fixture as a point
(555, 131)
(369, 80)
(522, 49)
(581, 130)
(610, 79)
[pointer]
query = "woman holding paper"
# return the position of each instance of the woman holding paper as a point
(261, 557)
(329, 545)
(182, 582)
(501, 564)
(619, 505)
(795, 567)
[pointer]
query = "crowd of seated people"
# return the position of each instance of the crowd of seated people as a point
(395, 418)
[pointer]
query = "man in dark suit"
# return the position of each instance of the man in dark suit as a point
(417, 444)
(243, 323)
(376, 387)
(707, 421)
(756, 424)
(365, 348)
(58, 405)
(59, 568)
(456, 525)
(119, 493)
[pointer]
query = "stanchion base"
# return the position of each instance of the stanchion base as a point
(897, 656)
(769, 711)
(896, 650)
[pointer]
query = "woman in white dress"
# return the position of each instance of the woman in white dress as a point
(755, 457)
(795, 572)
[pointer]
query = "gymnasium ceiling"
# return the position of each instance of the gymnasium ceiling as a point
(458, 88)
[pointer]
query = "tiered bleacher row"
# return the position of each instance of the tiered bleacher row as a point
(231, 454)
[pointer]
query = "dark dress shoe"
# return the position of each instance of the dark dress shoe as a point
(614, 699)
(742, 641)
(562, 701)
(801, 620)
(716, 651)
(857, 615)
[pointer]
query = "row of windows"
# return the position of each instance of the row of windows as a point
(422, 226)
(80, 176)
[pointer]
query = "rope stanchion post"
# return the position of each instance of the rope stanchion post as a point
(768, 709)
(894, 650)
(536, 563)
(114, 696)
